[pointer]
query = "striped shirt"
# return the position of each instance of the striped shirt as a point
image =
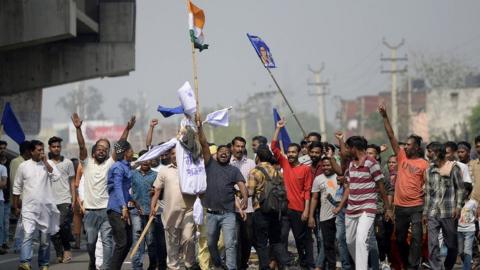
(363, 190)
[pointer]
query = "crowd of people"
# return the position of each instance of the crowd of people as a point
(345, 207)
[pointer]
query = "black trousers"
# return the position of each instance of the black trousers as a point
(61, 240)
(267, 231)
(303, 238)
(329, 230)
(449, 231)
(122, 235)
(404, 216)
(160, 244)
(383, 233)
(244, 240)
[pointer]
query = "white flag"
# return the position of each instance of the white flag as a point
(157, 150)
(218, 118)
(187, 98)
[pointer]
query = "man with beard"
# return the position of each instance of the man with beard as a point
(257, 141)
(443, 203)
(409, 193)
(298, 184)
(142, 183)
(245, 228)
(63, 192)
(325, 187)
(33, 181)
(95, 171)
(219, 199)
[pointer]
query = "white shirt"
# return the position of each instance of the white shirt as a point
(3, 173)
(466, 222)
(465, 172)
(326, 185)
(61, 188)
(96, 195)
(34, 183)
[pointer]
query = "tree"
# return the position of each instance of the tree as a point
(441, 71)
(474, 121)
(138, 107)
(86, 102)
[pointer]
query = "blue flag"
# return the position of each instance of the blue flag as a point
(262, 50)
(167, 112)
(283, 137)
(11, 126)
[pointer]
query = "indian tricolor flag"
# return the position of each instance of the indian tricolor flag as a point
(196, 21)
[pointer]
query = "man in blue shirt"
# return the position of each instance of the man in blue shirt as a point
(142, 183)
(118, 186)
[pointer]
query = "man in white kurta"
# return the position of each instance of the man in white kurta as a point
(39, 212)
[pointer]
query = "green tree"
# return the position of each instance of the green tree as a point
(137, 107)
(474, 121)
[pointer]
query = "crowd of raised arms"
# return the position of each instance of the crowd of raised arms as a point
(346, 205)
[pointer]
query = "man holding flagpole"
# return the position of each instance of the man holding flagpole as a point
(219, 200)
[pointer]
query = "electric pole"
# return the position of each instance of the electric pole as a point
(320, 93)
(394, 71)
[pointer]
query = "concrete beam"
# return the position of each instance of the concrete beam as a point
(85, 24)
(28, 23)
(59, 63)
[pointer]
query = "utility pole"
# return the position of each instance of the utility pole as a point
(320, 93)
(394, 71)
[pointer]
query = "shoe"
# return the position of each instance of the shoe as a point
(3, 251)
(59, 259)
(67, 256)
(24, 266)
(5, 246)
(45, 267)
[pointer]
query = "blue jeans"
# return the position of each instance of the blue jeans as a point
(2, 223)
(138, 224)
(342, 241)
(97, 221)
(465, 246)
(227, 223)
(26, 252)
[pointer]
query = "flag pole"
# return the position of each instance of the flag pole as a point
(194, 65)
(195, 78)
(286, 101)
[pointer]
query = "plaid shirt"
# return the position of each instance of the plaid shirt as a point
(443, 193)
(256, 182)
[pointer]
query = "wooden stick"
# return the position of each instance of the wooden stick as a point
(286, 101)
(139, 241)
(195, 78)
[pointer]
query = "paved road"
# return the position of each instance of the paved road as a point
(10, 261)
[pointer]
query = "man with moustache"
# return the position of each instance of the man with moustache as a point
(95, 171)
(33, 180)
(63, 192)
(298, 184)
(219, 199)
(245, 228)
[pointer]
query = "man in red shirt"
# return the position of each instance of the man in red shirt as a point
(298, 184)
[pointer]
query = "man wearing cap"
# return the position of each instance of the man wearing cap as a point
(118, 186)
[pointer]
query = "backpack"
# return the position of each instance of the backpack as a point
(274, 197)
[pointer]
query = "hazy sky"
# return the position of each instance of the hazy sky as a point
(345, 35)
